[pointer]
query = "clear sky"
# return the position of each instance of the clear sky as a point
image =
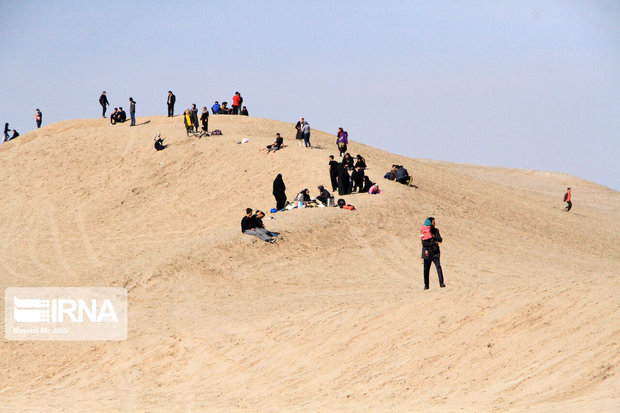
(504, 83)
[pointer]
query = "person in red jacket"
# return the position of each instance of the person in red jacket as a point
(236, 103)
(569, 204)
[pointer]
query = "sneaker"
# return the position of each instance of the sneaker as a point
(442, 285)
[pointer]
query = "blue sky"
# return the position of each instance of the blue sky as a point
(509, 83)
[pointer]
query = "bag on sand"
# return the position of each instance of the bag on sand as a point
(216, 132)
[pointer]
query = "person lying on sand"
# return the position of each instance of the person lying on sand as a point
(253, 225)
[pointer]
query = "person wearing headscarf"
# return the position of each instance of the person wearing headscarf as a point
(344, 180)
(430, 250)
(367, 184)
(360, 161)
(324, 194)
(342, 141)
(204, 119)
(347, 161)
(279, 192)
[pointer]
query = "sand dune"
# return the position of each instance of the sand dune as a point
(333, 316)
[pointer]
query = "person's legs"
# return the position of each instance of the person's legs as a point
(334, 179)
(38, 124)
(307, 141)
(427, 269)
(133, 119)
(439, 271)
(260, 234)
(569, 205)
(103, 110)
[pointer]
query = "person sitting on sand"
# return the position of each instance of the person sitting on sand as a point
(113, 116)
(215, 108)
(244, 111)
(224, 109)
(367, 184)
(374, 190)
(159, 143)
(324, 195)
(357, 177)
(304, 197)
(121, 116)
(391, 174)
(253, 225)
(278, 144)
(360, 161)
(347, 161)
(15, 135)
(402, 176)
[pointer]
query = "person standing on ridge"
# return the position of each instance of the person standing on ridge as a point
(333, 172)
(38, 117)
(204, 119)
(171, 100)
(567, 197)
(236, 102)
(132, 111)
(6, 131)
(103, 101)
(430, 250)
(305, 130)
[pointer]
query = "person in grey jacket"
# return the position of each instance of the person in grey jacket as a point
(305, 131)
(132, 111)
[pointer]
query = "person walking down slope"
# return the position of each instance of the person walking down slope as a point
(279, 192)
(430, 250)
(171, 100)
(567, 197)
(38, 117)
(103, 101)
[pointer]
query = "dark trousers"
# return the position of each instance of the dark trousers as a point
(104, 108)
(133, 118)
(205, 126)
(427, 270)
(334, 178)
(307, 140)
(235, 110)
(38, 124)
(569, 205)
(170, 110)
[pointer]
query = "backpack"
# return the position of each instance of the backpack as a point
(216, 132)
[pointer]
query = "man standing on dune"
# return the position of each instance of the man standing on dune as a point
(171, 100)
(103, 101)
(132, 111)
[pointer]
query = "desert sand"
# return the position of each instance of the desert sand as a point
(333, 316)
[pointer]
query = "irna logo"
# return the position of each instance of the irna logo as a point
(29, 310)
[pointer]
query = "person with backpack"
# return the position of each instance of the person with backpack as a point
(431, 239)
(567, 197)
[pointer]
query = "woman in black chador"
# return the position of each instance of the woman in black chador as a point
(278, 192)
(344, 180)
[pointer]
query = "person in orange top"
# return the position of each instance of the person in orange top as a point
(236, 103)
(569, 204)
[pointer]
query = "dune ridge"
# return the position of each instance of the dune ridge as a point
(333, 317)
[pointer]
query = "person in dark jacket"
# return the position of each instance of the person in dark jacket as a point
(357, 177)
(159, 143)
(344, 180)
(204, 119)
(333, 172)
(431, 253)
(103, 101)
(38, 117)
(121, 116)
(361, 162)
(279, 192)
(193, 115)
(402, 176)
(171, 100)
(253, 225)
(324, 195)
(132, 111)
(6, 131)
(244, 111)
(347, 161)
(367, 184)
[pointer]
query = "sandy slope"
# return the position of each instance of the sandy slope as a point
(334, 316)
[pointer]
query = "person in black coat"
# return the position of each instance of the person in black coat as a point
(103, 101)
(333, 172)
(344, 184)
(171, 100)
(367, 184)
(347, 161)
(279, 192)
(6, 131)
(431, 253)
(204, 119)
(193, 115)
(358, 179)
